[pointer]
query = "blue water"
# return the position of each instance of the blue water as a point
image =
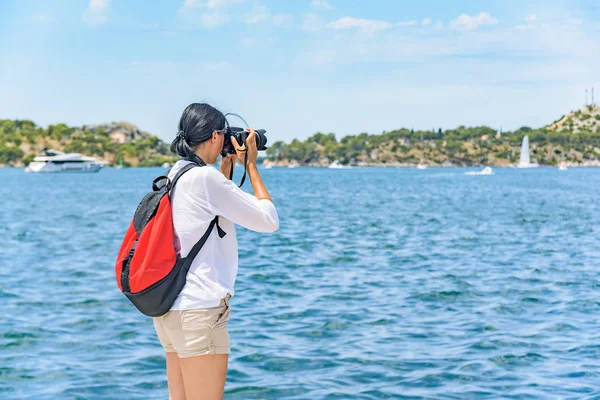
(380, 283)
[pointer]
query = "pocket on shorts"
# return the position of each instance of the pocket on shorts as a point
(204, 318)
(223, 317)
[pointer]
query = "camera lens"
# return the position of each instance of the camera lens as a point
(261, 139)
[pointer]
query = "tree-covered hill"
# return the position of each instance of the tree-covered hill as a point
(574, 139)
(22, 140)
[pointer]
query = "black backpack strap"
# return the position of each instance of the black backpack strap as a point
(197, 162)
(196, 249)
(179, 173)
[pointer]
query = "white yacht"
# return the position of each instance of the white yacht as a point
(524, 161)
(562, 166)
(57, 161)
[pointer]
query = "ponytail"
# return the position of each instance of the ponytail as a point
(181, 147)
(196, 125)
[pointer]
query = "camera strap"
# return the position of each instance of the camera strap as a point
(245, 162)
(195, 159)
(245, 166)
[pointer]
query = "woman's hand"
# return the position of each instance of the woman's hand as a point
(227, 164)
(250, 151)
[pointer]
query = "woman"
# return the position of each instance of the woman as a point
(194, 332)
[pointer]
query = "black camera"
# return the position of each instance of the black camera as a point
(240, 134)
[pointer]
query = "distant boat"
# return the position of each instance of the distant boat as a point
(336, 165)
(166, 165)
(562, 166)
(485, 171)
(292, 166)
(524, 161)
(57, 161)
(120, 163)
(268, 166)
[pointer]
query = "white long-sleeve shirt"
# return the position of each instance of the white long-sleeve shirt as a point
(199, 195)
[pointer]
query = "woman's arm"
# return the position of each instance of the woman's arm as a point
(256, 212)
(225, 198)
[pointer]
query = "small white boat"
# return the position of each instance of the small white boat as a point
(166, 165)
(268, 166)
(57, 161)
(485, 171)
(421, 166)
(336, 165)
(562, 166)
(292, 166)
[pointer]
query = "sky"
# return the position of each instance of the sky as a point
(297, 67)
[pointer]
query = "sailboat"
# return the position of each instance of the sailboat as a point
(421, 164)
(525, 161)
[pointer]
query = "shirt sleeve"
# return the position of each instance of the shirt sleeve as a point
(225, 198)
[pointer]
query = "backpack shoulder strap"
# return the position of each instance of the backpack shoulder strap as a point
(215, 222)
(195, 162)
(196, 249)
(179, 173)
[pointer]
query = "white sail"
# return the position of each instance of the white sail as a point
(525, 161)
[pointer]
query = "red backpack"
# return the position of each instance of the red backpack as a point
(149, 270)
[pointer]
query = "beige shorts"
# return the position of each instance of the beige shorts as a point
(192, 333)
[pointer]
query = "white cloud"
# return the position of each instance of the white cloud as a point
(312, 23)
(530, 23)
(213, 19)
(97, 12)
(211, 12)
(321, 4)
(43, 18)
(216, 4)
(259, 13)
(426, 21)
(407, 23)
(468, 22)
(190, 4)
(363, 25)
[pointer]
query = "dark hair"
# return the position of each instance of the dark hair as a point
(196, 125)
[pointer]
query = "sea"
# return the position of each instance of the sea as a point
(381, 283)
